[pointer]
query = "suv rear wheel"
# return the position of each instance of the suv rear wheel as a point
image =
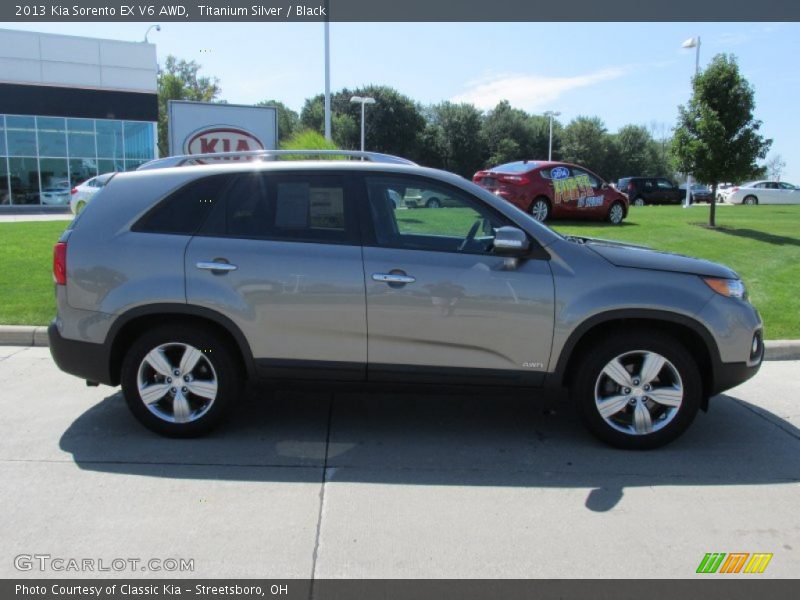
(638, 201)
(638, 390)
(180, 381)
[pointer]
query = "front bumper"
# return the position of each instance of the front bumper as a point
(730, 375)
(82, 359)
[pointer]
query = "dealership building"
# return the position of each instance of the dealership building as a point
(71, 108)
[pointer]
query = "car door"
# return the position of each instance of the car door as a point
(772, 193)
(594, 195)
(440, 302)
(280, 256)
(650, 191)
(667, 192)
(789, 194)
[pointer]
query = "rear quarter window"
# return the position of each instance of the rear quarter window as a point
(184, 211)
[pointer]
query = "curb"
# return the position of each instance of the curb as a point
(29, 335)
(23, 335)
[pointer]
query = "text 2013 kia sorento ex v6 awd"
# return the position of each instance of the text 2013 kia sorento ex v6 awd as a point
(182, 282)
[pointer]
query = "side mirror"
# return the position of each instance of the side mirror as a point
(604, 186)
(510, 241)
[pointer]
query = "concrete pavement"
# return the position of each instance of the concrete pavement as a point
(390, 485)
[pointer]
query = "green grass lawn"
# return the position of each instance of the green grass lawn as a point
(762, 243)
(26, 272)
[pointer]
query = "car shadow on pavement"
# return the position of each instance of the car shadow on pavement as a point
(407, 439)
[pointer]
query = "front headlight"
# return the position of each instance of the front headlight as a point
(732, 288)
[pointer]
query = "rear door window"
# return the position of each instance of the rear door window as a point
(291, 207)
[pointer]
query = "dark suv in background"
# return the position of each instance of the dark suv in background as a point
(650, 190)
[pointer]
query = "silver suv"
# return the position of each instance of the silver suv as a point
(182, 282)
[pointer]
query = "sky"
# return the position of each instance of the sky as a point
(622, 72)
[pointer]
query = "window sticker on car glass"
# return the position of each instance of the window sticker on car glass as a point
(291, 209)
(574, 188)
(559, 173)
(327, 208)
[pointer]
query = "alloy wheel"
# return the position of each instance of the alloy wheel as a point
(177, 382)
(639, 392)
(539, 210)
(617, 214)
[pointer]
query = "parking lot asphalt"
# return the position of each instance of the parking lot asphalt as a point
(302, 484)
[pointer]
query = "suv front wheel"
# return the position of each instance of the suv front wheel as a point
(638, 390)
(180, 381)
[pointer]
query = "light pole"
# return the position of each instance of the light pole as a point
(551, 114)
(363, 100)
(692, 42)
(327, 73)
(146, 33)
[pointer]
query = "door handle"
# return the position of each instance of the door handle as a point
(393, 278)
(216, 266)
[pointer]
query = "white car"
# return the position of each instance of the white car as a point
(56, 193)
(81, 194)
(764, 192)
(724, 191)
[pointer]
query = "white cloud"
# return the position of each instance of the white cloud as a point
(530, 92)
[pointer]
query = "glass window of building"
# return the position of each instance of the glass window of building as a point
(21, 135)
(23, 179)
(54, 177)
(139, 141)
(2, 137)
(81, 138)
(81, 169)
(5, 194)
(52, 133)
(43, 157)
(109, 140)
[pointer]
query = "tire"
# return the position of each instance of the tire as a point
(750, 200)
(213, 370)
(433, 203)
(677, 383)
(616, 214)
(638, 201)
(540, 209)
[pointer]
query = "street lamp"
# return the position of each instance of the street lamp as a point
(551, 114)
(328, 134)
(363, 100)
(692, 42)
(146, 33)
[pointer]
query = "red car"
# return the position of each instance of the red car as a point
(547, 189)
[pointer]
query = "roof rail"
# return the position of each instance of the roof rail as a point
(181, 160)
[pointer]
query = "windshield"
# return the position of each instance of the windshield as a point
(516, 167)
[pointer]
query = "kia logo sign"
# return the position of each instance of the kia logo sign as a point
(221, 139)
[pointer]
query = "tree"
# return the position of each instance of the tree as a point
(586, 142)
(633, 151)
(179, 80)
(512, 134)
(394, 123)
(451, 139)
(288, 120)
(775, 166)
(717, 139)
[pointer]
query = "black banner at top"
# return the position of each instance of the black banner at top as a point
(398, 10)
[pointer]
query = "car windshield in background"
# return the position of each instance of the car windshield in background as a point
(516, 167)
